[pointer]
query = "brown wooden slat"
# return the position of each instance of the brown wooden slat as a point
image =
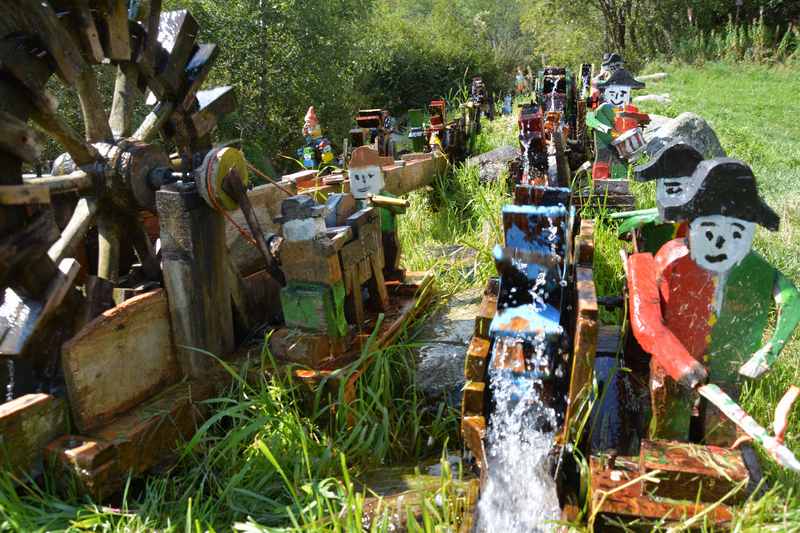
(121, 117)
(196, 73)
(18, 139)
(95, 119)
(36, 17)
(177, 33)
(102, 383)
(27, 424)
(214, 104)
(116, 37)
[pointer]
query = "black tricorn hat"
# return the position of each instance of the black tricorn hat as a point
(674, 160)
(621, 77)
(613, 57)
(298, 208)
(728, 189)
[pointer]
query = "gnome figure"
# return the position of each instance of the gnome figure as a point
(317, 150)
(611, 120)
(701, 306)
(367, 181)
(672, 168)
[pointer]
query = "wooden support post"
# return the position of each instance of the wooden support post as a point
(195, 265)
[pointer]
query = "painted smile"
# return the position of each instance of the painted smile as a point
(365, 189)
(716, 258)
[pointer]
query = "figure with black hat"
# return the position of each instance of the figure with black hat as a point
(617, 126)
(611, 63)
(700, 307)
(672, 168)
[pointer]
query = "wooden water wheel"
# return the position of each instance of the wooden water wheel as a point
(111, 169)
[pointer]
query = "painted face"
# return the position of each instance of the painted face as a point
(675, 191)
(365, 181)
(718, 243)
(613, 67)
(617, 95)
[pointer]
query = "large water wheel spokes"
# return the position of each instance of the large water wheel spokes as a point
(113, 164)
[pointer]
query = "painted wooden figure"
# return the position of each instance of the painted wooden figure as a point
(367, 185)
(617, 126)
(701, 305)
(672, 168)
(317, 150)
(314, 296)
(612, 62)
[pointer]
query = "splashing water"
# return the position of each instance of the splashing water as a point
(519, 494)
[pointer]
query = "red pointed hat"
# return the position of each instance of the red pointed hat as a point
(311, 116)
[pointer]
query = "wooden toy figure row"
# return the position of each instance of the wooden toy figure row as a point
(617, 124)
(701, 297)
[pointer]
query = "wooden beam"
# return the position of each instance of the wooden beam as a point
(194, 264)
(196, 73)
(24, 195)
(38, 18)
(18, 139)
(177, 33)
(214, 104)
(27, 424)
(116, 40)
(102, 384)
(75, 230)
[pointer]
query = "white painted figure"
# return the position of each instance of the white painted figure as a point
(617, 95)
(366, 181)
(719, 243)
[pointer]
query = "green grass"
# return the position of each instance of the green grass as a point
(271, 459)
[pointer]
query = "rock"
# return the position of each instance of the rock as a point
(444, 339)
(657, 76)
(491, 164)
(691, 129)
(663, 99)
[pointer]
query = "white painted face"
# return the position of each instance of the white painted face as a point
(675, 191)
(617, 95)
(365, 181)
(304, 229)
(718, 243)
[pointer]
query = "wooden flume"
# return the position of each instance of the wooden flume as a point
(654, 450)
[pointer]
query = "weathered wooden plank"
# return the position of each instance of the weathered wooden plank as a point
(414, 174)
(134, 442)
(607, 497)
(18, 139)
(584, 244)
(27, 424)
(477, 358)
(473, 400)
(214, 104)
(116, 37)
(691, 471)
(196, 73)
(487, 311)
(177, 33)
(118, 360)
(38, 18)
(95, 119)
(585, 345)
(194, 265)
(24, 195)
(473, 430)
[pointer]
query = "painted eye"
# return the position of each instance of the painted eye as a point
(737, 235)
(709, 235)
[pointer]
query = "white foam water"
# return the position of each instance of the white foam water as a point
(519, 494)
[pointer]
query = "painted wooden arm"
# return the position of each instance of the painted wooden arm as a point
(648, 325)
(593, 122)
(787, 302)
